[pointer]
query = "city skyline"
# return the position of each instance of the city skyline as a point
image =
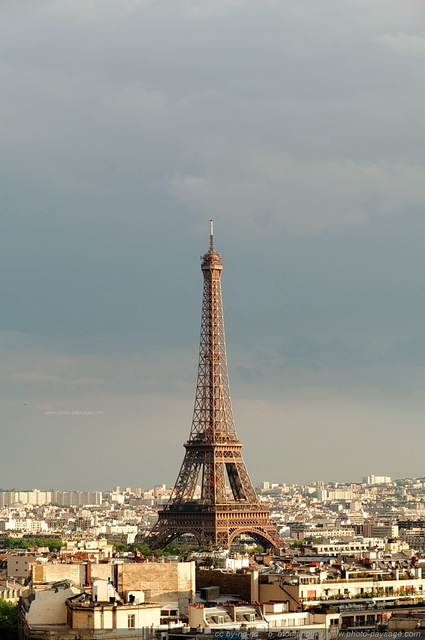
(269, 481)
(298, 127)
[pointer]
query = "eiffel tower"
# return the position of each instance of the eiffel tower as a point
(213, 451)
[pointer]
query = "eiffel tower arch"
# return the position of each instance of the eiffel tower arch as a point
(228, 504)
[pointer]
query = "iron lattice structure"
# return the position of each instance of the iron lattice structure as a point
(213, 451)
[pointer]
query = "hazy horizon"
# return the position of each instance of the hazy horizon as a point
(147, 488)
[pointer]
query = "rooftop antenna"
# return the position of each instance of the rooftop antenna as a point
(211, 234)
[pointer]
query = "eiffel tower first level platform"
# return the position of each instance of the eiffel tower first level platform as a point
(213, 498)
(213, 526)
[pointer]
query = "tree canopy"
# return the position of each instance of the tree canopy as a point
(54, 544)
(8, 620)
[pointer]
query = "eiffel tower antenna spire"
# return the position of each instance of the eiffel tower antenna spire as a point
(211, 234)
(226, 504)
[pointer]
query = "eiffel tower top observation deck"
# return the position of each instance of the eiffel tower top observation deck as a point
(213, 452)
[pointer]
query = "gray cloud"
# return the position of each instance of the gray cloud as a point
(299, 127)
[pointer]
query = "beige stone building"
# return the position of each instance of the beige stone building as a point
(105, 598)
(19, 565)
(63, 612)
(139, 618)
(167, 583)
(300, 591)
(11, 591)
(263, 617)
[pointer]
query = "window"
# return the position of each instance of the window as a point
(131, 622)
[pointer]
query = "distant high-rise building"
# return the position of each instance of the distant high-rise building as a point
(377, 480)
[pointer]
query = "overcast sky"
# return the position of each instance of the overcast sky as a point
(125, 125)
